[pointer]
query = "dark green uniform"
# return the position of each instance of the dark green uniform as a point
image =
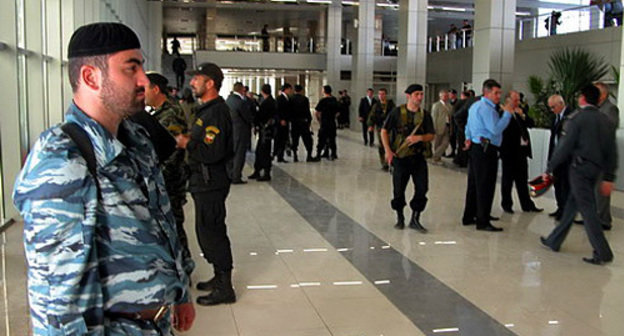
(409, 161)
(376, 118)
(175, 172)
(588, 143)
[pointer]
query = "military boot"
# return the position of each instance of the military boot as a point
(415, 222)
(222, 291)
(400, 224)
(207, 286)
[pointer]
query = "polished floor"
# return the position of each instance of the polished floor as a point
(316, 254)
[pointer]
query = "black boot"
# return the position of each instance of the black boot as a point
(207, 286)
(400, 224)
(254, 176)
(415, 222)
(222, 291)
(266, 176)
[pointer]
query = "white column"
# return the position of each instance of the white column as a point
(154, 35)
(364, 51)
(494, 42)
(332, 45)
(412, 61)
(56, 48)
(34, 70)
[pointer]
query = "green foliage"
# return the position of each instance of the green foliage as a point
(570, 71)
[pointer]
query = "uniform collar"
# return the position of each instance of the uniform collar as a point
(105, 145)
(239, 95)
(162, 107)
(489, 102)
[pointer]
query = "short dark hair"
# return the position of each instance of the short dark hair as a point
(489, 84)
(238, 86)
(327, 89)
(384, 90)
(286, 86)
(370, 89)
(266, 89)
(298, 88)
(453, 91)
(74, 65)
(160, 81)
(591, 94)
(466, 93)
(472, 93)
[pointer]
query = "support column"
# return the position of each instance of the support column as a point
(412, 62)
(154, 34)
(494, 42)
(364, 51)
(332, 45)
(211, 27)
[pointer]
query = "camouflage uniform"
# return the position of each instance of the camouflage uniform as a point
(89, 259)
(175, 172)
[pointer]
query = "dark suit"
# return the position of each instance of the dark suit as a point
(301, 121)
(515, 149)
(603, 203)
(562, 182)
(264, 122)
(241, 111)
(460, 116)
(363, 111)
(283, 116)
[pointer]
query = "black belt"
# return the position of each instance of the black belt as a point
(153, 315)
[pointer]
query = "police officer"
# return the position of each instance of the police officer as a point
(175, 169)
(210, 147)
(326, 111)
(96, 215)
(589, 143)
(406, 135)
(378, 113)
(264, 122)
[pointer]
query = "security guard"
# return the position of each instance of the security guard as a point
(376, 117)
(101, 245)
(175, 169)
(406, 136)
(589, 143)
(301, 121)
(264, 123)
(210, 147)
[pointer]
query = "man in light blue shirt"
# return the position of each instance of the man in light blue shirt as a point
(484, 134)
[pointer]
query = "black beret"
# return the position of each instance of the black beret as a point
(412, 88)
(102, 38)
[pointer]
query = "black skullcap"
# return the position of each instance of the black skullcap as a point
(102, 38)
(209, 69)
(159, 80)
(414, 87)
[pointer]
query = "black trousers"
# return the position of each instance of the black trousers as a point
(180, 80)
(461, 157)
(562, 185)
(583, 179)
(263, 153)
(414, 166)
(453, 137)
(177, 207)
(481, 184)
(242, 141)
(211, 230)
(281, 139)
(301, 131)
(369, 137)
(326, 137)
(515, 171)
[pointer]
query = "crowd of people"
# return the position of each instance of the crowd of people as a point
(102, 194)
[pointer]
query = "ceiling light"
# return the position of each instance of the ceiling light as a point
(387, 5)
(352, 3)
(284, 0)
(454, 9)
(319, 1)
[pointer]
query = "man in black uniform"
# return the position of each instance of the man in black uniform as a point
(264, 122)
(406, 135)
(366, 103)
(589, 142)
(326, 110)
(301, 121)
(284, 110)
(376, 118)
(210, 147)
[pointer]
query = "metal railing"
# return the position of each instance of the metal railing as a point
(450, 41)
(259, 43)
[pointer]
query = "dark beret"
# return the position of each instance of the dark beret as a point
(100, 39)
(412, 88)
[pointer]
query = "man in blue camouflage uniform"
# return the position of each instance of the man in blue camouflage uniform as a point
(103, 254)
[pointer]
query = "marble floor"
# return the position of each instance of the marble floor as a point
(316, 254)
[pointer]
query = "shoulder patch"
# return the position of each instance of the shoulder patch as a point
(211, 134)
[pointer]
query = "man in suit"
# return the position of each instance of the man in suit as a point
(453, 127)
(460, 115)
(441, 113)
(264, 122)
(301, 121)
(241, 111)
(366, 103)
(603, 203)
(283, 115)
(515, 150)
(562, 184)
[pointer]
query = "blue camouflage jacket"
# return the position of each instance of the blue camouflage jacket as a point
(86, 258)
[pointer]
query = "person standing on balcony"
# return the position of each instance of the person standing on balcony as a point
(265, 38)
(467, 30)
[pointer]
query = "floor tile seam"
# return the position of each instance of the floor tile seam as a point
(492, 320)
